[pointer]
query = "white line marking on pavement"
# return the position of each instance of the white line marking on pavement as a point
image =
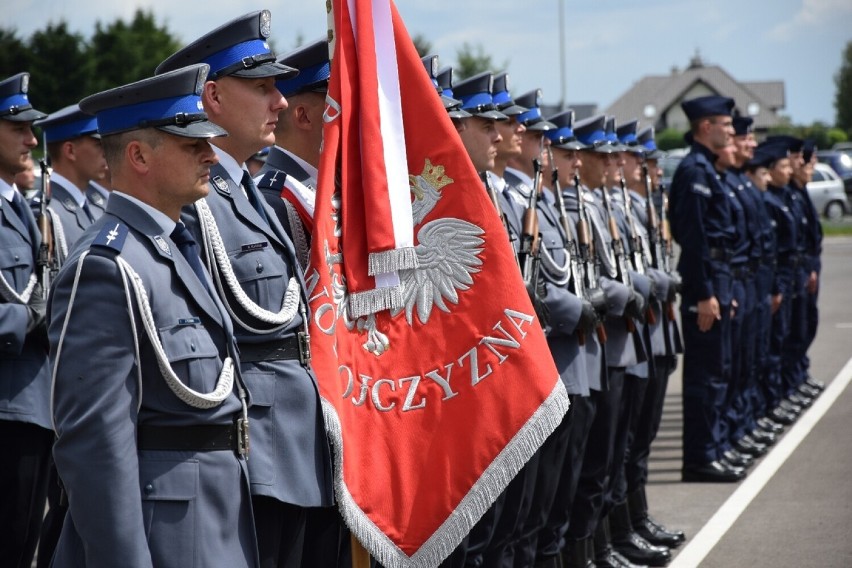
(712, 532)
(843, 325)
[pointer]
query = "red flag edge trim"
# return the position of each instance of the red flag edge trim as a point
(470, 509)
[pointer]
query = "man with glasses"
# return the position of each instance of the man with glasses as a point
(701, 223)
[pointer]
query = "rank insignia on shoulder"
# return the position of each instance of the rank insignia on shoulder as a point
(69, 204)
(701, 189)
(111, 236)
(163, 245)
(221, 185)
(273, 179)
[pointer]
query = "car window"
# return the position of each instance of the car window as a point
(817, 176)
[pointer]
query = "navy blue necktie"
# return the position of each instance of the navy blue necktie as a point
(20, 208)
(190, 251)
(88, 212)
(253, 197)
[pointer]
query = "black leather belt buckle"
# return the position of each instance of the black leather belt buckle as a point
(242, 437)
(304, 348)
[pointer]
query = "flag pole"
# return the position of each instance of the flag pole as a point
(360, 556)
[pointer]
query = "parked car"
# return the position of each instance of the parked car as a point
(669, 164)
(827, 192)
(841, 162)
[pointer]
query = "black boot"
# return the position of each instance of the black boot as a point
(648, 528)
(626, 542)
(604, 554)
(577, 554)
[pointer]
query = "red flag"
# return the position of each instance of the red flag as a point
(438, 390)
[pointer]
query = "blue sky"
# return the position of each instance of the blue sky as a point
(609, 44)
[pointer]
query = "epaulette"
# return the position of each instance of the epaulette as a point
(111, 237)
(273, 179)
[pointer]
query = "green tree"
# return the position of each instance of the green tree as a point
(122, 53)
(14, 54)
(843, 95)
(472, 60)
(669, 139)
(422, 45)
(59, 68)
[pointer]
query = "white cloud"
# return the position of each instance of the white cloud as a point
(811, 13)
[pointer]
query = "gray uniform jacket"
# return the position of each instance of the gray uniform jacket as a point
(291, 458)
(97, 202)
(24, 374)
(71, 217)
(127, 506)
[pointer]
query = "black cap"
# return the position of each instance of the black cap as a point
(475, 93)
(532, 118)
(646, 138)
(312, 62)
(68, 123)
(451, 105)
(562, 135)
(742, 125)
(502, 97)
(710, 105)
(14, 103)
(611, 135)
(592, 133)
(794, 145)
(170, 102)
(771, 152)
(238, 48)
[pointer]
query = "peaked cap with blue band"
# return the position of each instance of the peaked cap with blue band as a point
(532, 119)
(238, 48)
(592, 133)
(451, 105)
(67, 124)
(170, 102)
(646, 138)
(475, 95)
(710, 105)
(14, 103)
(502, 97)
(610, 127)
(562, 135)
(313, 65)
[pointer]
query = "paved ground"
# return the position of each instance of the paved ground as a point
(795, 508)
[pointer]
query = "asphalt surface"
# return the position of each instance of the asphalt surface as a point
(795, 507)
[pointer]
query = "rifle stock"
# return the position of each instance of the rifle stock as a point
(46, 261)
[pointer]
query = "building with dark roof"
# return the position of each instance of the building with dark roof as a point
(656, 99)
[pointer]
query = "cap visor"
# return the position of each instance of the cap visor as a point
(270, 69)
(540, 125)
(571, 145)
(458, 113)
(513, 110)
(28, 115)
(492, 115)
(200, 129)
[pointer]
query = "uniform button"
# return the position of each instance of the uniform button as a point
(192, 346)
(259, 268)
(149, 489)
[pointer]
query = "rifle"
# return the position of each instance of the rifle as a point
(586, 248)
(618, 250)
(655, 234)
(495, 200)
(46, 261)
(528, 254)
(666, 242)
(638, 260)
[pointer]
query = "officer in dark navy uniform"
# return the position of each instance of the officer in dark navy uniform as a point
(74, 147)
(701, 223)
(288, 179)
(151, 423)
(25, 427)
(258, 276)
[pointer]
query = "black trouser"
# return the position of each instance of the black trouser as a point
(326, 538)
(550, 468)
(23, 489)
(53, 521)
(280, 532)
(597, 462)
(551, 539)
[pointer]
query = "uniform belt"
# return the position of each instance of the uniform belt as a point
(741, 271)
(293, 347)
(200, 438)
(723, 254)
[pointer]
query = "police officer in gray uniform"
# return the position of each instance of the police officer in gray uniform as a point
(148, 405)
(256, 274)
(288, 179)
(25, 427)
(74, 147)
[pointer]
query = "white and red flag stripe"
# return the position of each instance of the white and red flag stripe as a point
(436, 378)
